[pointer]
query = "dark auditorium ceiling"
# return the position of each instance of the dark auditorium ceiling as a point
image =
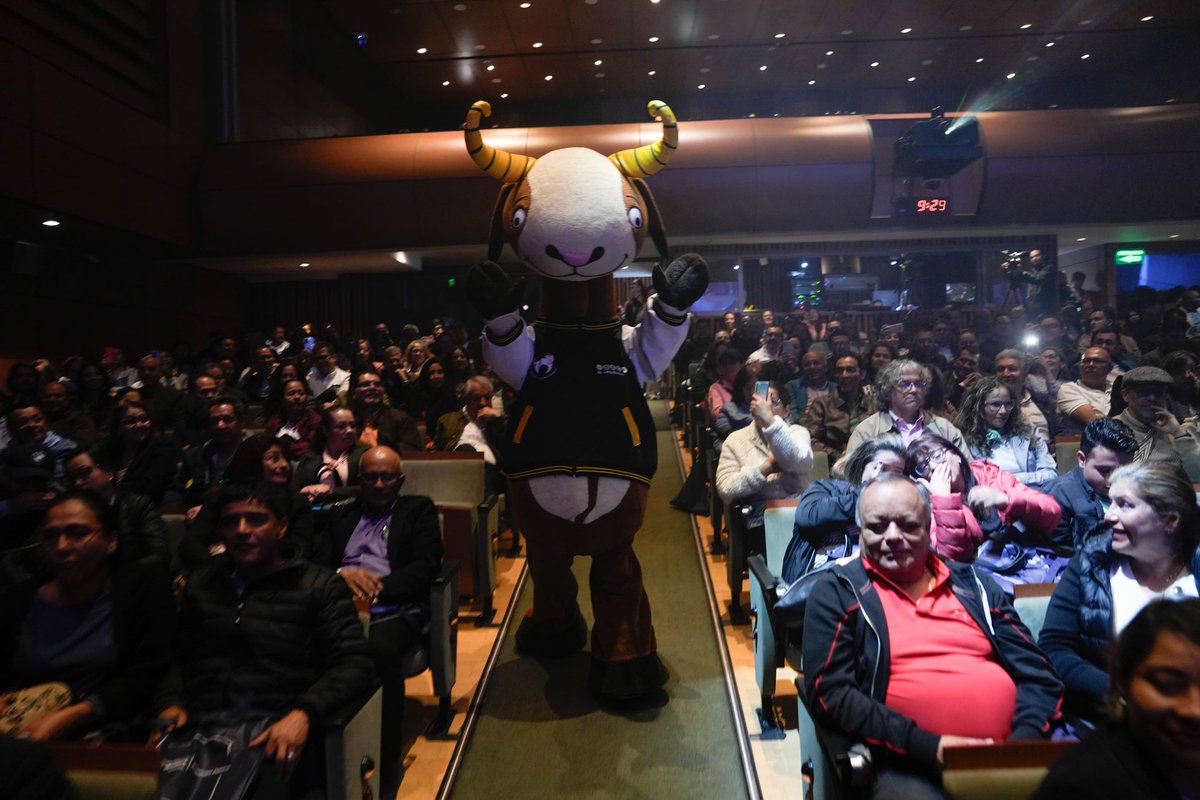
(720, 59)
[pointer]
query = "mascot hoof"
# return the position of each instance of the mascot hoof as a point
(535, 639)
(638, 681)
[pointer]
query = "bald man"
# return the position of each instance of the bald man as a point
(387, 548)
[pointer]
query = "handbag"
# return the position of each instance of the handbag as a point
(25, 707)
(793, 597)
(211, 760)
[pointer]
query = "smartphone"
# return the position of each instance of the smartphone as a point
(309, 343)
(762, 387)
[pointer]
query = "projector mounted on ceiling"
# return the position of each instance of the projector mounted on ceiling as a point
(936, 147)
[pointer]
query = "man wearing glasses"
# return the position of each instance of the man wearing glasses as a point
(388, 549)
(1081, 401)
(379, 423)
(1158, 433)
(900, 394)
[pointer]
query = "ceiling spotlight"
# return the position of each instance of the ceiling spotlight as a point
(652, 39)
(497, 80)
(304, 264)
(912, 78)
(927, 62)
(979, 61)
(655, 2)
(445, 83)
(965, 27)
(712, 37)
(651, 72)
(701, 86)
(526, 5)
(1173, 236)
(874, 63)
(810, 83)
(504, 96)
(599, 75)
(762, 68)
(1049, 44)
(51, 222)
(1027, 26)
(1085, 22)
(828, 52)
(598, 62)
(549, 78)
(847, 32)
(780, 35)
(1011, 75)
(491, 67)
(1081, 238)
(1085, 55)
(1147, 18)
(422, 50)
(906, 30)
(597, 41)
(537, 44)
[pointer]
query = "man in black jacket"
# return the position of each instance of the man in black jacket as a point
(910, 654)
(1105, 444)
(263, 635)
(388, 549)
(141, 533)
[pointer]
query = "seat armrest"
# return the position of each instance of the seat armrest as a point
(488, 503)
(342, 716)
(759, 571)
(443, 629)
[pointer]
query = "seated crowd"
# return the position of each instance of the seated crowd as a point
(286, 474)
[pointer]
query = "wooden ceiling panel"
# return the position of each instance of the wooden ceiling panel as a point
(611, 23)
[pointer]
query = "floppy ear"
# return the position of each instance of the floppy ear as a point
(496, 234)
(654, 224)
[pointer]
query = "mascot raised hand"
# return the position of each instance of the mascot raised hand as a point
(580, 447)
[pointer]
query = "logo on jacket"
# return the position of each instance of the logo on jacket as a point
(543, 367)
(612, 369)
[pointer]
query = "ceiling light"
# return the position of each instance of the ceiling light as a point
(598, 62)
(549, 77)
(927, 62)
(762, 68)
(422, 50)
(526, 5)
(51, 222)
(701, 86)
(810, 83)
(979, 61)
(654, 2)
(1049, 44)
(597, 41)
(822, 66)
(491, 67)
(1081, 239)
(1027, 26)
(739, 266)
(504, 96)
(1085, 55)
(874, 63)
(906, 30)
(965, 27)
(847, 32)
(1085, 22)
(1011, 75)
(481, 47)
(828, 52)
(651, 72)
(445, 83)
(706, 69)
(1147, 18)
(304, 264)
(780, 35)
(599, 74)
(460, 6)
(1031, 58)
(537, 44)
(652, 39)
(1173, 236)
(912, 78)
(712, 37)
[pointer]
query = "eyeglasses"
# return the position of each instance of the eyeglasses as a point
(931, 460)
(906, 386)
(1092, 362)
(998, 405)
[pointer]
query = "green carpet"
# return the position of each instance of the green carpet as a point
(539, 733)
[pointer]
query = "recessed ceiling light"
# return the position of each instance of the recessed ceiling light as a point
(1147, 18)
(652, 39)
(1170, 99)
(828, 52)
(654, 2)
(304, 264)
(712, 37)
(491, 67)
(846, 32)
(762, 68)
(597, 41)
(526, 5)
(599, 74)
(927, 62)
(1049, 44)
(1032, 58)
(874, 63)
(912, 78)
(780, 35)
(906, 30)
(445, 83)
(1086, 55)
(706, 69)
(422, 50)
(979, 61)
(1085, 22)
(460, 6)
(504, 96)
(1173, 236)
(701, 86)
(481, 47)
(598, 62)
(1011, 75)
(549, 78)
(810, 83)
(51, 222)
(1052, 105)
(1081, 239)
(651, 72)
(1027, 26)
(537, 44)
(965, 27)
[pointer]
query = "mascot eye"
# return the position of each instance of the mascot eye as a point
(518, 217)
(635, 216)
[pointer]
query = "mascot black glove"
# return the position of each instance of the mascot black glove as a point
(492, 292)
(682, 282)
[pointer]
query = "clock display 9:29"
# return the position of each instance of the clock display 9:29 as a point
(931, 206)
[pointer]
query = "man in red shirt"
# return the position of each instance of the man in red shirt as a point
(909, 653)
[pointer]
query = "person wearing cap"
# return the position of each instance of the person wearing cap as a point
(1158, 432)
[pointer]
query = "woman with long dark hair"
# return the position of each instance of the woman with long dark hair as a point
(145, 462)
(992, 425)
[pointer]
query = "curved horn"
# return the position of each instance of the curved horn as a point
(500, 164)
(650, 158)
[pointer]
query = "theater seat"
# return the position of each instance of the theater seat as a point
(1065, 453)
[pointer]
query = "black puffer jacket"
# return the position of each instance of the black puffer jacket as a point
(292, 639)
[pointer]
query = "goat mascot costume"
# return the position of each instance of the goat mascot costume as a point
(580, 447)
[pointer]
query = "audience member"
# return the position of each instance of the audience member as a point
(436, 396)
(202, 473)
(415, 356)
(900, 394)
(720, 391)
(164, 401)
(943, 335)
(1183, 395)
(140, 532)
(1011, 368)
(378, 423)
(476, 426)
(813, 383)
(925, 350)
(1080, 402)
(387, 548)
(831, 418)
(330, 470)
(1151, 549)
(825, 528)
(879, 356)
(1148, 751)
(145, 463)
(192, 428)
(1158, 433)
(255, 380)
(298, 656)
(118, 371)
(1105, 445)
(326, 380)
(69, 423)
(296, 422)
(1104, 318)
(995, 429)
(735, 414)
(89, 640)
(278, 342)
(910, 654)
(1122, 361)
(772, 344)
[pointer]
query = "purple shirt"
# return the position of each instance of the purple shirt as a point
(367, 548)
(909, 432)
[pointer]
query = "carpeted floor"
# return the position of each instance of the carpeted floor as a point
(539, 733)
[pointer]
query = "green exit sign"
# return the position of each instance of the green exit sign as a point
(1129, 256)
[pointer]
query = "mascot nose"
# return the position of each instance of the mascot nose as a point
(574, 258)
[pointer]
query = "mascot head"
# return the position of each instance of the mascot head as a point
(574, 214)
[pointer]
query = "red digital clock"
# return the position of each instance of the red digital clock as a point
(932, 206)
(922, 207)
